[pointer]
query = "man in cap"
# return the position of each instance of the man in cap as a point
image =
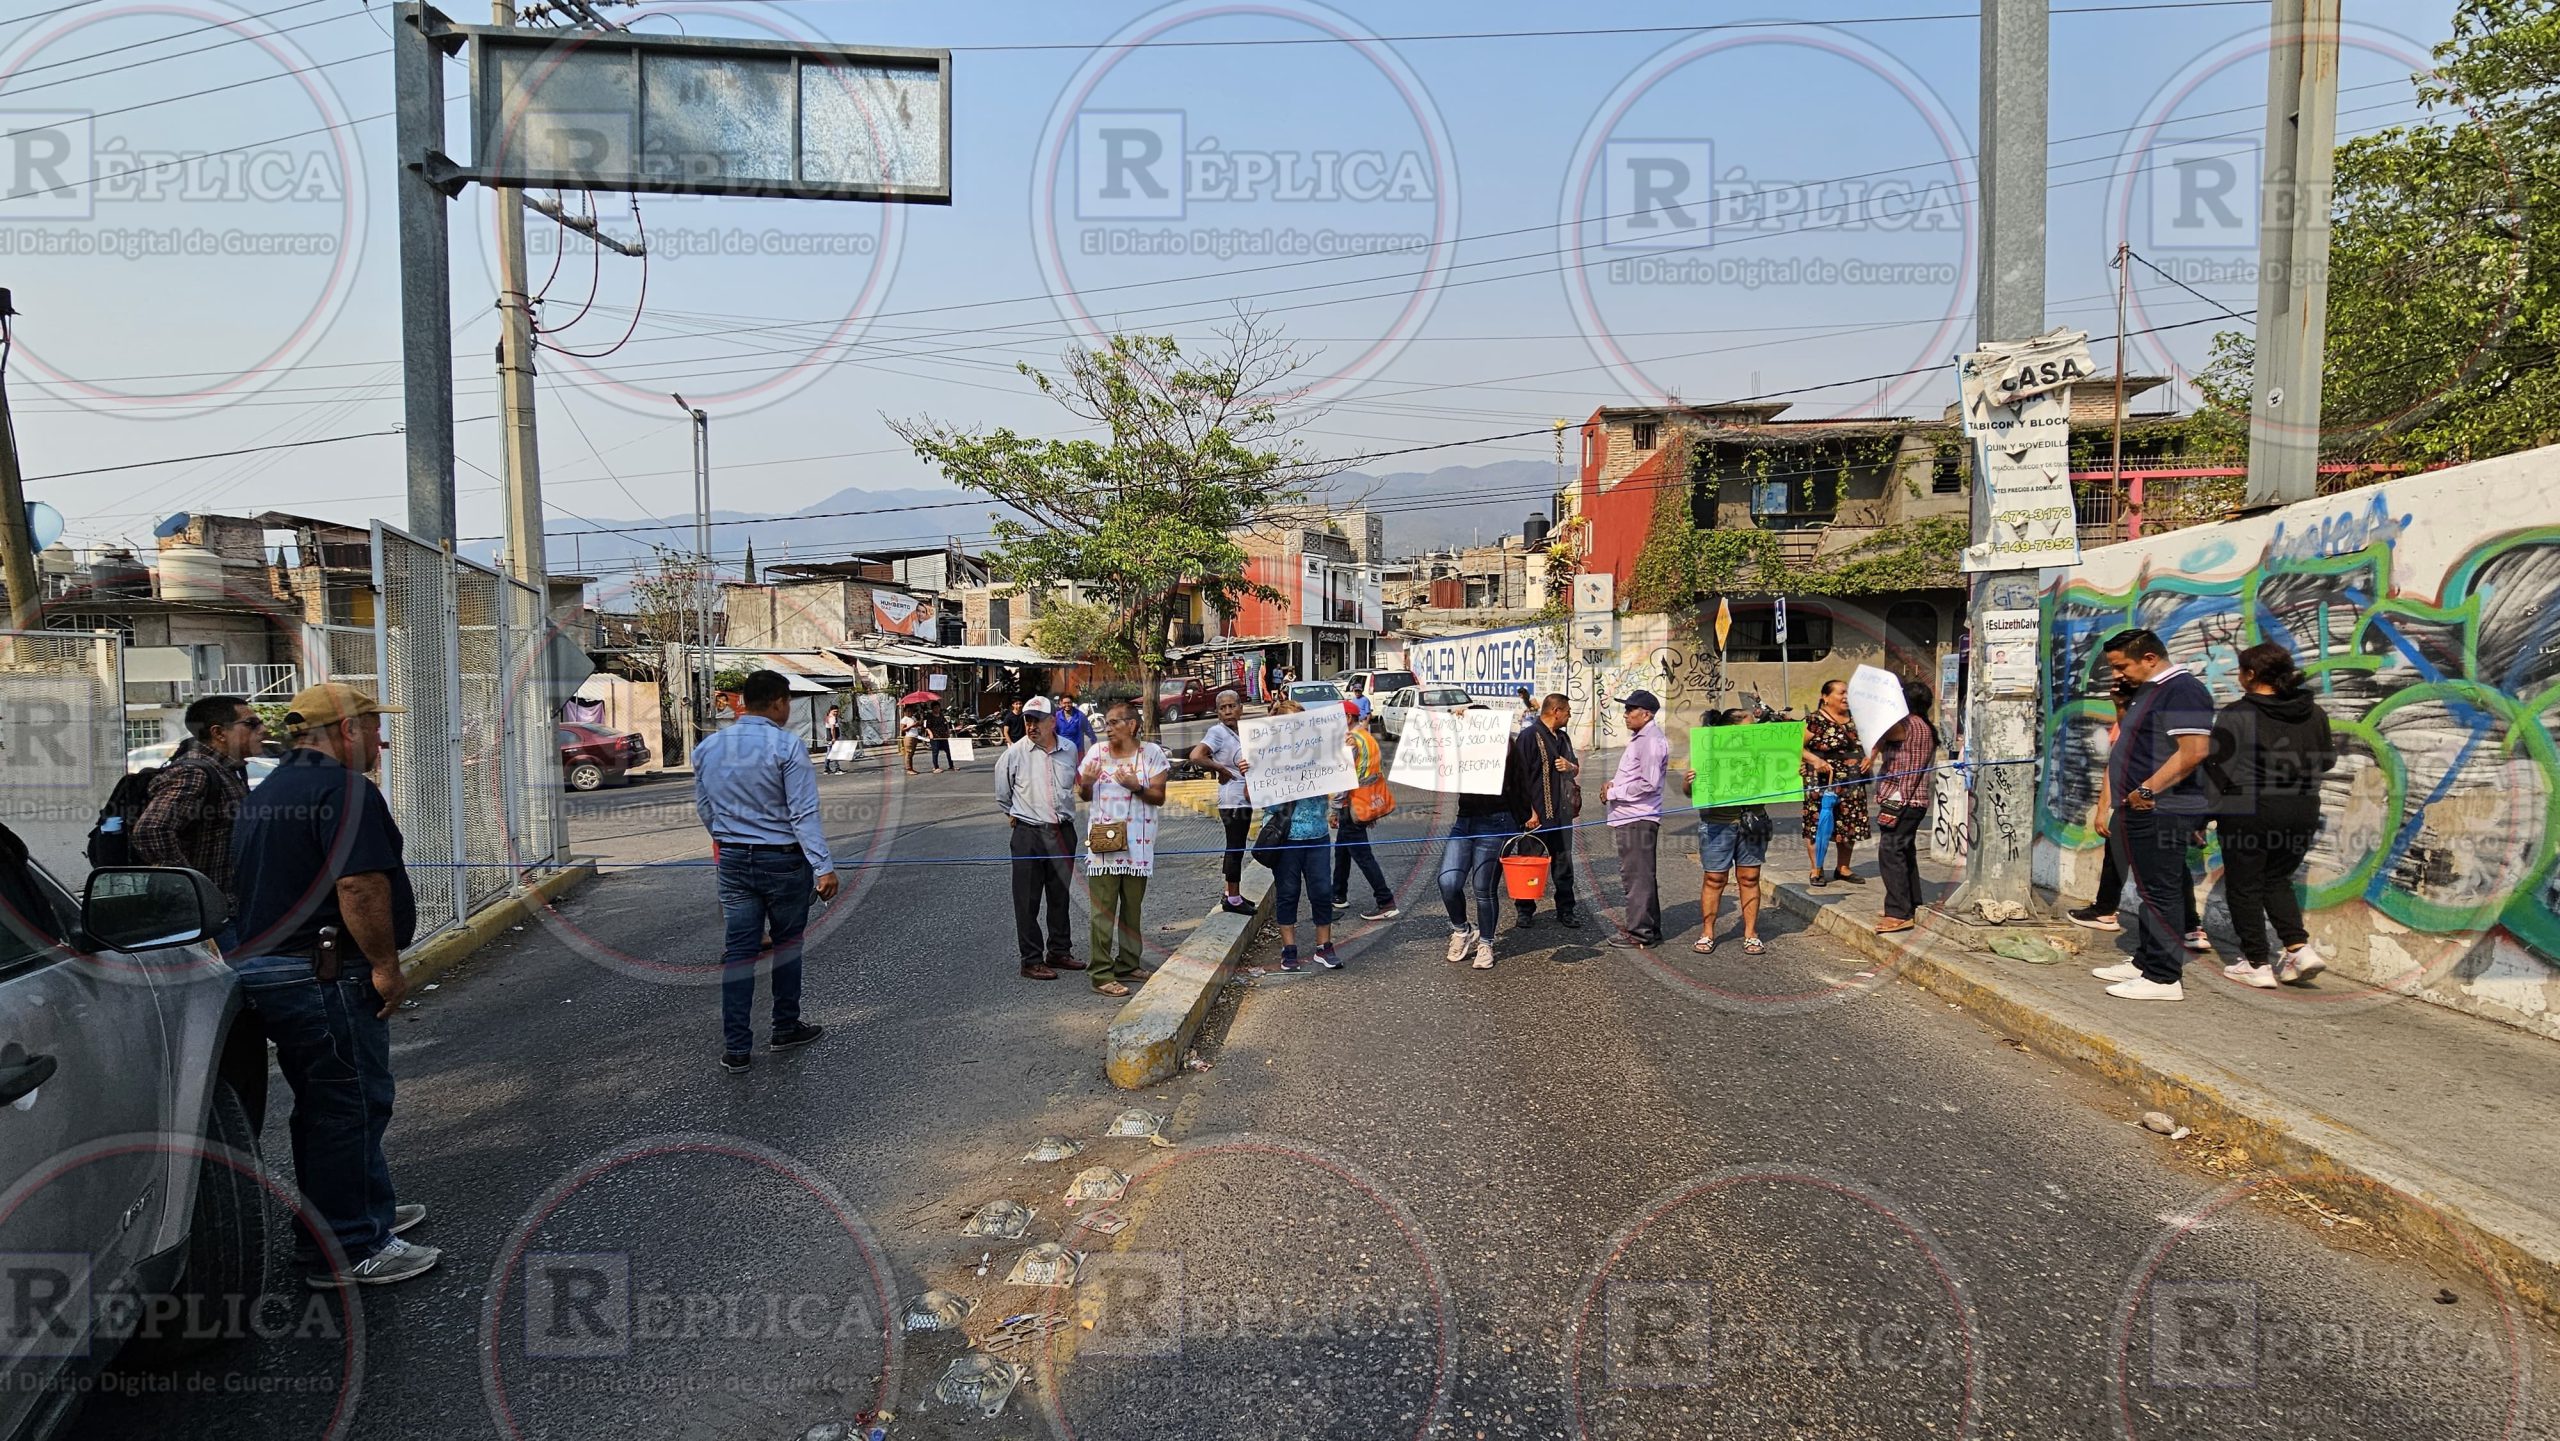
(756, 794)
(1635, 820)
(324, 908)
(1036, 789)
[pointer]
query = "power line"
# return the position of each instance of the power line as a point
(97, 115)
(239, 37)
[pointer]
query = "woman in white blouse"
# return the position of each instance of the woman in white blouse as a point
(1124, 779)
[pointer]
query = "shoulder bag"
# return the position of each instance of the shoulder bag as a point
(1373, 799)
(1273, 841)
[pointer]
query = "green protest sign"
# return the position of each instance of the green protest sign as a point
(1748, 765)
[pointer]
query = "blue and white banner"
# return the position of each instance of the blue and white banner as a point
(1491, 663)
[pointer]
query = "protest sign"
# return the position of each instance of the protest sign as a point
(1458, 751)
(1875, 703)
(1747, 765)
(1291, 757)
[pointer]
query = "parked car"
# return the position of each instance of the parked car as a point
(1186, 698)
(590, 755)
(1392, 712)
(1377, 684)
(118, 1020)
(143, 758)
(1315, 694)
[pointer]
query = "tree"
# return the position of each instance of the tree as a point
(1194, 450)
(667, 598)
(2444, 271)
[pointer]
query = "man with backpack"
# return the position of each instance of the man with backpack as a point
(195, 798)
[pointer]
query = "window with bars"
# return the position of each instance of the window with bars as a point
(1646, 434)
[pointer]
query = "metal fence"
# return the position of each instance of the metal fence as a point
(62, 740)
(470, 767)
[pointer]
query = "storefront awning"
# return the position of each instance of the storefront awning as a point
(998, 655)
(800, 684)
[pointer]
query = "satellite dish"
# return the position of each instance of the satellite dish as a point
(44, 524)
(171, 526)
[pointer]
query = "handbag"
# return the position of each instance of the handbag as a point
(1104, 838)
(1273, 841)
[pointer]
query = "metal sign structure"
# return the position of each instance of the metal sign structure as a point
(673, 114)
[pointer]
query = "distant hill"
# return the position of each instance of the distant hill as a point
(1424, 510)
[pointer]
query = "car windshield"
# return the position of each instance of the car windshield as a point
(1307, 692)
(1387, 680)
(1446, 695)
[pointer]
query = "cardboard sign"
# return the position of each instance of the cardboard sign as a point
(1461, 752)
(1747, 765)
(1875, 703)
(1291, 757)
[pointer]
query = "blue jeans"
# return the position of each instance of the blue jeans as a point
(1474, 852)
(336, 1055)
(1308, 865)
(760, 889)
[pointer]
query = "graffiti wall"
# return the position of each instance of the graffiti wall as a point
(2427, 614)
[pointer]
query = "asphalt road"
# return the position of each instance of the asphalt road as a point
(1679, 1196)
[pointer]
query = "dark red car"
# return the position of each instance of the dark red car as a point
(592, 755)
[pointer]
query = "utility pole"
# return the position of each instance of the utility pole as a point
(2295, 186)
(17, 538)
(426, 274)
(2001, 733)
(703, 665)
(2124, 287)
(523, 470)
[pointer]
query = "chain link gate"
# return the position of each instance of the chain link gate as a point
(62, 742)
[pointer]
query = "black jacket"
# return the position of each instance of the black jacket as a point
(1512, 803)
(2269, 754)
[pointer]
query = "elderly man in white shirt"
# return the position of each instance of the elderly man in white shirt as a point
(1036, 787)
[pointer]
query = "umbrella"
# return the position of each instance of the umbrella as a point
(918, 697)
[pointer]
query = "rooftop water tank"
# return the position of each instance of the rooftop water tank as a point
(117, 575)
(1533, 531)
(190, 572)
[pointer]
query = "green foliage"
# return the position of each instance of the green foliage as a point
(1194, 450)
(728, 677)
(2444, 291)
(1914, 555)
(1072, 628)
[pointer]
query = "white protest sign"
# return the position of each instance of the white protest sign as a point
(1875, 703)
(1291, 757)
(1458, 751)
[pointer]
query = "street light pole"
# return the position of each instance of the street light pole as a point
(703, 666)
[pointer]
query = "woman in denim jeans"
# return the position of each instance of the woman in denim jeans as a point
(1304, 863)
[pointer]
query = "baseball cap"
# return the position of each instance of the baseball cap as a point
(1643, 700)
(330, 702)
(1038, 705)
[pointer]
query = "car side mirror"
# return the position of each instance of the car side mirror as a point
(150, 908)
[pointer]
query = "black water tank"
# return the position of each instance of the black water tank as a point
(1534, 530)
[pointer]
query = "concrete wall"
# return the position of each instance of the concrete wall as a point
(2427, 612)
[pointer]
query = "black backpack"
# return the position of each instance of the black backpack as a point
(111, 839)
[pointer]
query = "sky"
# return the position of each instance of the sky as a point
(1469, 234)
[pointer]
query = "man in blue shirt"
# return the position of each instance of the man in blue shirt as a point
(1073, 727)
(2153, 793)
(757, 795)
(324, 909)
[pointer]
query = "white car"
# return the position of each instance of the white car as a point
(1391, 712)
(143, 758)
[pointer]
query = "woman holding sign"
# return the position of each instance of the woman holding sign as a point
(1907, 753)
(1296, 842)
(1124, 779)
(1833, 761)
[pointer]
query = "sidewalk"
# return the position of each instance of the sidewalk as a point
(2437, 1122)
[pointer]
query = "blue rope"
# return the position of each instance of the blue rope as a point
(1425, 840)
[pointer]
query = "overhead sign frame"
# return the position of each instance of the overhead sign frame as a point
(610, 80)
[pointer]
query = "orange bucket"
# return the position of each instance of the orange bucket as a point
(1524, 877)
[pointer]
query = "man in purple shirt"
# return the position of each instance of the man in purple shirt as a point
(1635, 820)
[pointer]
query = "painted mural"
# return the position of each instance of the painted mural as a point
(2431, 633)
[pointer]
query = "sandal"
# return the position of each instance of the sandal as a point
(1752, 946)
(1111, 988)
(1706, 945)
(1842, 874)
(1818, 879)
(1890, 925)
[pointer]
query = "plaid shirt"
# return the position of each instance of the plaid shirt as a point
(187, 822)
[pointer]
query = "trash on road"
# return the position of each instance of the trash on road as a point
(1047, 1264)
(2034, 950)
(1097, 1183)
(1105, 1222)
(978, 1380)
(1135, 1122)
(983, 1258)
(2158, 1121)
(937, 1311)
(999, 1221)
(1052, 1148)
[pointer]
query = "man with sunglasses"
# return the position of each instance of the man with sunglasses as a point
(196, 797)
(325, 909)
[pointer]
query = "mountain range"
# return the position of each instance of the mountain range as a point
(1454, 505)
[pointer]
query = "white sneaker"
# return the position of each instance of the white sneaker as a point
(2197, 940)
(397, 1261)
(1459, 940)
(2247, 974)
(2120, 971)
(2139, 989)
(1383, 913)
(1484, 955)
(2299, 963)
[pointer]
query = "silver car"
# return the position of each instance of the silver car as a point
(1392, 711)
(128, 1081)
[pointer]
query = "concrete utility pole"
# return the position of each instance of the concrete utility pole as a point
(2009, 306)
(2295, 186)
(17, 539)
(426, 274)
(523, 472)
(704, 667)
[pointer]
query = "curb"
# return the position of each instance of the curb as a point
(2460, 1224)
(1198, 797)
(1146, 1040)
(445, 951)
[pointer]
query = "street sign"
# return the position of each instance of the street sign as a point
(675, 114)
(1595, 594)
(1724, 621)
(1778, 620)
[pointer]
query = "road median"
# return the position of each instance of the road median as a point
(1147, 1040)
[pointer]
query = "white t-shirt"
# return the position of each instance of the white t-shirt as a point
(1227, 749)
